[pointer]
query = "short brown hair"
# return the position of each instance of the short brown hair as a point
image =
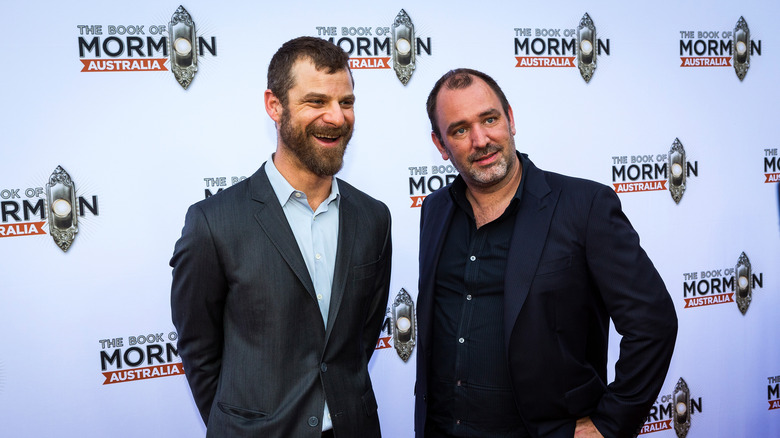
(324, 54)
(459, 79)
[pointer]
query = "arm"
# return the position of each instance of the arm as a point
(197, 302)
(642, 310)
(586, 429)
(376, 310)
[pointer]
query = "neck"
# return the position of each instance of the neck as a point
(488, 203)
(317, 188)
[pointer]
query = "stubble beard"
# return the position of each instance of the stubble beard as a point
(494, 173)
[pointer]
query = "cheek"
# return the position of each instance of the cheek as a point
(457, 150)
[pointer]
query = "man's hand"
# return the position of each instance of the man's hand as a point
(586, 429)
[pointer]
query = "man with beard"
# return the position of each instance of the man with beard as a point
(520, 272)
(280, 282)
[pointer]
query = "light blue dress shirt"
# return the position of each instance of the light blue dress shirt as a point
(316, 233)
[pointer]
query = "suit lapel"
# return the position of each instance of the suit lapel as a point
(528, 240)
(346, 241)
(437, 218)
(272, 220)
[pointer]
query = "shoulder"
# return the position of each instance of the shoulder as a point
(226, 201)
(440, 195)
(578, 191)
(573, 184)
(230, 194)
(363, 203)
(435, 209)
(571, 193)
(348, 191)
(437, 199)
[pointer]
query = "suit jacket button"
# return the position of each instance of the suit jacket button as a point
(313, 421)
(324, 367)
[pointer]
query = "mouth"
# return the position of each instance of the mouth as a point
(327, 139)
(486, 157)
(330, 136)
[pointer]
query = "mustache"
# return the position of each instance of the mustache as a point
(330, 131)
(489, 149)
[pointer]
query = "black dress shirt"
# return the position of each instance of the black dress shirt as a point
(470, 393)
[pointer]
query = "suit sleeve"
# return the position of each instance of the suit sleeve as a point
(643, 313)
(197, 306)
(376, 311)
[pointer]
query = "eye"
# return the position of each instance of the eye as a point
(491, 120)
(460, 131)
(314, 101)
(348, 103)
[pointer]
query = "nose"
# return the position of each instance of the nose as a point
(479, 137)
(334, 114)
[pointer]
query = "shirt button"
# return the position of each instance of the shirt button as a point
(317, 256)
(298, 195)
(458, 383)
(461, 340)
(468, 297)
(319, 297)
(313, 421)
(457, 421)
(472, 258)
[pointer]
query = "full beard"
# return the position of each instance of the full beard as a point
(317, 159)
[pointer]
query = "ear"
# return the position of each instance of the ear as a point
(273, 106)
(442, 150)
(511, 121)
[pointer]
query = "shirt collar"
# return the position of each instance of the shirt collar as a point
(284, 191)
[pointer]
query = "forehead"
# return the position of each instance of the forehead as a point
(306, 78)
(464, 103)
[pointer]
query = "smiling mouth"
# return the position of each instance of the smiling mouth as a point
(330, 136)
(327, 138)
(485, 156)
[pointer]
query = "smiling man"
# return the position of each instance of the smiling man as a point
(280, 282)
(521, 271)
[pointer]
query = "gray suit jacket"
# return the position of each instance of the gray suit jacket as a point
(256, 354)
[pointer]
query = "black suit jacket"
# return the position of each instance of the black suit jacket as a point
(574, 263)
(257, 356)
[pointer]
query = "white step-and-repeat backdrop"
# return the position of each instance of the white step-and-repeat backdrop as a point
(103, 149)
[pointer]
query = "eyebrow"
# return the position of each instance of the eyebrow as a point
(491, 112)
(314, 95)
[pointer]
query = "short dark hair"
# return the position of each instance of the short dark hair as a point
(324, 54)
(459, 79)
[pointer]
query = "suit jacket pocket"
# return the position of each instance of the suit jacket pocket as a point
(555, 265)
(365, 271)
(236, 411)
(582, 400)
